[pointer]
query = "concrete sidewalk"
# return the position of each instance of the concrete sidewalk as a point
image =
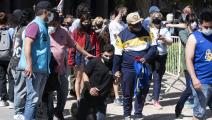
(115, 112)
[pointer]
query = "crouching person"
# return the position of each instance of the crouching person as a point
(98, 82)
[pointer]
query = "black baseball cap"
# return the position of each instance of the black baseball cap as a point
(43, 5)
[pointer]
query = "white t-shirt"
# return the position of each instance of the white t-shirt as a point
(161, 46)
(74, 25)
(115, 28)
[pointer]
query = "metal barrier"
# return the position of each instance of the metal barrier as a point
(174, 62)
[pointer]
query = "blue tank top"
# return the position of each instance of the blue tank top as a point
(203, 57)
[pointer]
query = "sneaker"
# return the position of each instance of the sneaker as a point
(118, 101)
(3, 103)
(148, 99)
(157, 105)
(18, 117)
(127, 118)
(11, 105)
(138, 117)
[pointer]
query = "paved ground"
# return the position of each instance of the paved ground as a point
(115, 112)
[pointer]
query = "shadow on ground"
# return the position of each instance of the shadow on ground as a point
(160, 117)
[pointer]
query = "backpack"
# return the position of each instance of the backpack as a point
(5, 46)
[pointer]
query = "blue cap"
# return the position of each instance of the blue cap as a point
(153, 9)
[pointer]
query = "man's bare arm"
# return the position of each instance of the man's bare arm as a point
(190, 50)
(27, 52)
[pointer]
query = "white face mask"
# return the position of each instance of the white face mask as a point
(183, 16)
(193, 25)
(207, 32)
(51, 30)
(50, 17)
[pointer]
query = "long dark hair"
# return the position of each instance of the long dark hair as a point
(82, 19)
(190, 18)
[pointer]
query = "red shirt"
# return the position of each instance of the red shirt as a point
(80, 38)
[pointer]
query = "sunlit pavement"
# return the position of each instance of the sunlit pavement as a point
(114, 112)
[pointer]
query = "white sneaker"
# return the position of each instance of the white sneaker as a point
(11, 105)
(18, 117)
(3, 103)
(127, 118)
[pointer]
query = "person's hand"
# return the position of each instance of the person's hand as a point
(169, 25)
(94, 91)
(142, 60)
(197, 85)
(89, 56)
(28, 71)
(117, 74)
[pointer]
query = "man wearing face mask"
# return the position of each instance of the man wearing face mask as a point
(199, 63)
(60, 41)
(192, 24)
(98, 82)
(35, 58)
(132, 43)
(115, 27)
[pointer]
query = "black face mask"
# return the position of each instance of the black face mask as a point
(156, 21)
(107, 61)
(124, 19)
(86, 27)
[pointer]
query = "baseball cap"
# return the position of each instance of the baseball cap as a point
(43, 5)
(133, 18)
(153, 9)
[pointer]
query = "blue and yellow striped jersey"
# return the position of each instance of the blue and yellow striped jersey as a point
(130, 45)
(128, 41)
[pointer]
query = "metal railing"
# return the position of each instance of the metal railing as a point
(174, 63)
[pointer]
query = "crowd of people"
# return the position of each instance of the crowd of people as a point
(40, 54)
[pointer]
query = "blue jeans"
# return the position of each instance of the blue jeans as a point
(19, 91)
(202, 98)
(35, 86)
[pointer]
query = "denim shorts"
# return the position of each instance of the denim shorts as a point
(79, 59)
(202, 98)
